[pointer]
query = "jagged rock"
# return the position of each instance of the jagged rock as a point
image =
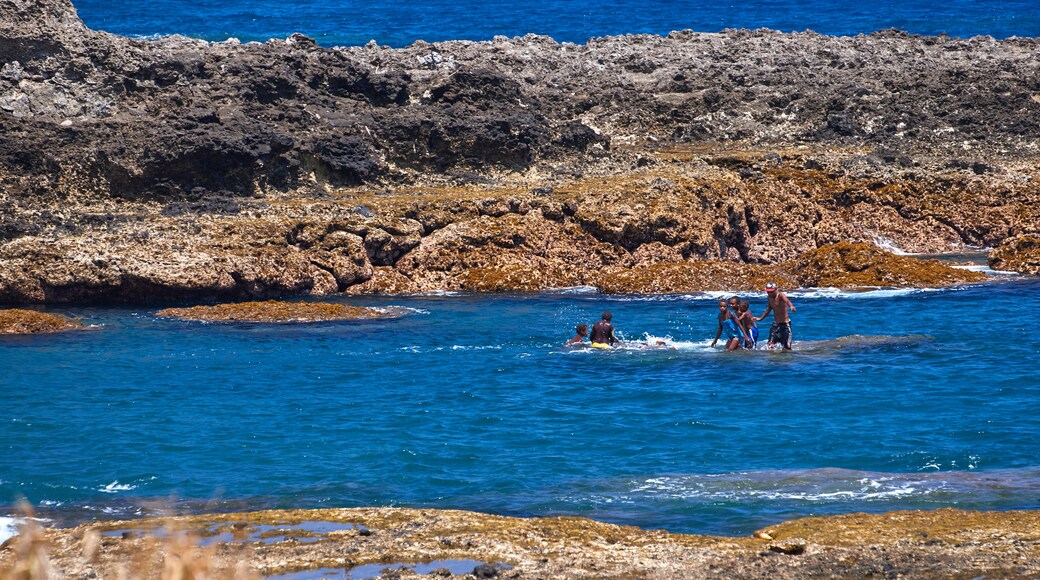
(849, 265)
(1019, 254)
(176, 169)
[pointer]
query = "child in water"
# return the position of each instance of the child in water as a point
(747, 322)
(735, 335)
(578, 340)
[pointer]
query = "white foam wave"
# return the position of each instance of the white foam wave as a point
(116, 487)
(985, 270)
(487, 347)
(573, 290)
(9, 527)
(889, 246)
(859, 293)
(399, 310)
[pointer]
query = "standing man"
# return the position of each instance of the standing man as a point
(603, 333)
(780, 332)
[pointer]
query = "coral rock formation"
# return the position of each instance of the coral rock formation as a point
(17, 321)
(275, 311)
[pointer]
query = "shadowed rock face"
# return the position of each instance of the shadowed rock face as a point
(185, 170)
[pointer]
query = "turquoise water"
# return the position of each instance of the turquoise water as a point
(893, 399)
(355, 22)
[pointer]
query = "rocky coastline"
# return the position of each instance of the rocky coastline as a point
(176, 170)
(944, 543)
(180, 170)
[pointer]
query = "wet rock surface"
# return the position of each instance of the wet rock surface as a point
(18, 321)
(180, 170)
(921, 544)
(1019, 254)
(276, 311)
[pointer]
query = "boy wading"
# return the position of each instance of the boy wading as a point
(781, 307)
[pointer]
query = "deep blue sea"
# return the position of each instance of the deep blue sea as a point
(893, 399)
(399, 23)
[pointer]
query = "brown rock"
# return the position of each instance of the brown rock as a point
(850, 265)
(686, 277)
(1019, 254)
(385, 280)
(15, 321)
(274, 311)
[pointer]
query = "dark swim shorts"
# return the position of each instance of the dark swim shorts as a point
(780, 333)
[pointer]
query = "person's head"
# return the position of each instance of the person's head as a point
(771, 287)
(734, 302)
(744, 305)
(606, 315)
(723, 305)
(581, 329)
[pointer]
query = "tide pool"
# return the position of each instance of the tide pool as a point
(894, 399)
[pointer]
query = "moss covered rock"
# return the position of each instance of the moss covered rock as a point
(15, 321)
(1019, 254)
(851, 265)
(276, 311)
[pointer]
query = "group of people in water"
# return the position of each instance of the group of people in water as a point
(735, 321)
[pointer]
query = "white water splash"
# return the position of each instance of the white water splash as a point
(9, 527)
(116, 487)
(889, 246)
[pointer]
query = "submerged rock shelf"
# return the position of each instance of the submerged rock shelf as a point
(275, 311)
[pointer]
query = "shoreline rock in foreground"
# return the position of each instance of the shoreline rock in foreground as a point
(943, 543)
(17, 321)
(276, 311)
(180, 170)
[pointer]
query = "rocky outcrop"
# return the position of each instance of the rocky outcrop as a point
(180, 170)
(1019, 254)
(275, 311)
(944, 543)
(17, 321)
(846, 265)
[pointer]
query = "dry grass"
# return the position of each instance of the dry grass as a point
(174, 556)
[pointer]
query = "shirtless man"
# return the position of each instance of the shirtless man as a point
(780, 332)
(603, 333)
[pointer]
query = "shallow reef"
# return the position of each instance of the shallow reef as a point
(276, 311)
(18, 321)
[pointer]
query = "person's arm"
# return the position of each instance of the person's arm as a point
(740, 327)
(614, 338)
(769, 308)
(717, 335)
(789, 305)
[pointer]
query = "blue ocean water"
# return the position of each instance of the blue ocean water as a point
(355, 22)
(894, 399)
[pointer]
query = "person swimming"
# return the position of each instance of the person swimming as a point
(582, 331)
(603, 333)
